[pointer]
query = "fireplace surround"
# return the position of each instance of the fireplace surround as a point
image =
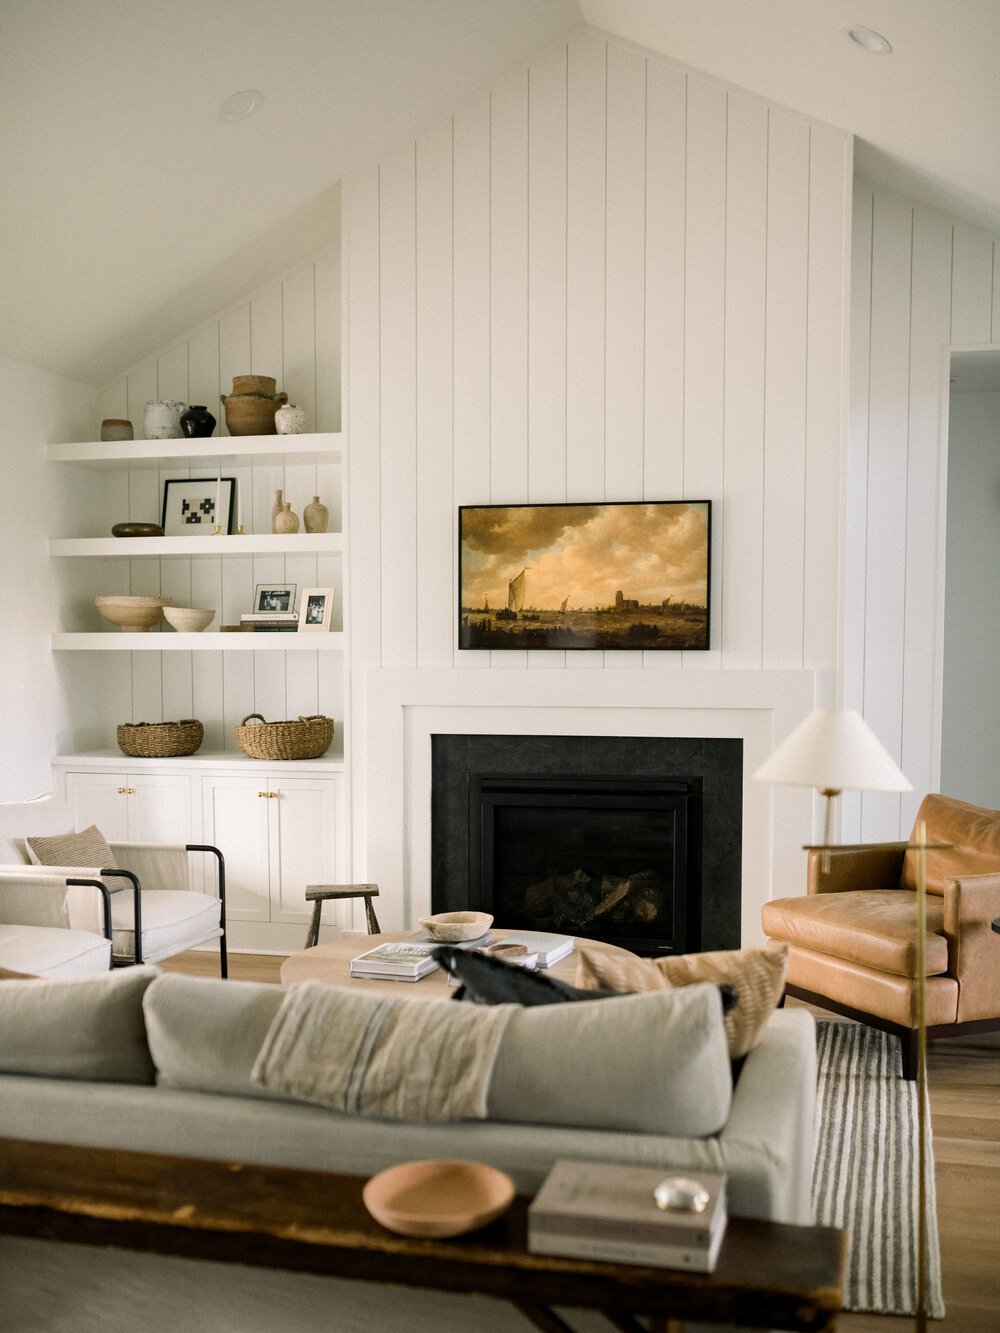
(634, 840)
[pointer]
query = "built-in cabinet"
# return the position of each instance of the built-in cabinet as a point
(280, 825)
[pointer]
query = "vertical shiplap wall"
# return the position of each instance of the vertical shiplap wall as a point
(290, 329)
(922, 282)
(607, 279)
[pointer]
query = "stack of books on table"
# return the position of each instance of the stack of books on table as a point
(549, 948)
(270, 622)
(402, 961)
(592, 1210)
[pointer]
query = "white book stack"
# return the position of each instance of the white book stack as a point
(549, 948)
(402, 961)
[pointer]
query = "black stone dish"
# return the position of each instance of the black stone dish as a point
(137, 530)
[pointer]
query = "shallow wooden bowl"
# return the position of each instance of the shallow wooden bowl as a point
(453, 927)
(132, 614)
(435, 1198)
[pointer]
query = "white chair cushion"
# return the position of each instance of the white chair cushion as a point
(172, 920)
(47, 951)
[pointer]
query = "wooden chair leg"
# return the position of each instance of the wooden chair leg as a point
(370, 917)
(312, 938)
(909, 1048)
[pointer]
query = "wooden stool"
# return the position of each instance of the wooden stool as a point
(317, 894)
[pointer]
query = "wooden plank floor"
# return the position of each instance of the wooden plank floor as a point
(964, 1082)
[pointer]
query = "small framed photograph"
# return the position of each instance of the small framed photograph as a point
(274, 597)
(192, 506)
(315, 609)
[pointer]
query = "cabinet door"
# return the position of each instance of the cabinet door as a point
(236, 821)
(160, 808)
(101, 798)
(304, 843)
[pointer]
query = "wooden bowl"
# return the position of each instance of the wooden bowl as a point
(432, 1198)
(132, 614)
(137, 530)
(453, 927)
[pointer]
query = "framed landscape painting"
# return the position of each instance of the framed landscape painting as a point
(631, 575)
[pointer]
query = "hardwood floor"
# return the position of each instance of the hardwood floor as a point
(964, 1083)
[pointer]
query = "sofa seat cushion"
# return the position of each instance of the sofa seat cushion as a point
(87, 1028)
(876, 928)
(52, 952)
(172, 920)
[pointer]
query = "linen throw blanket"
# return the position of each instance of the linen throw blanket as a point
(380, 1056)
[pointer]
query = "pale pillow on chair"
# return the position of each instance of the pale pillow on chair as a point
(89, 848)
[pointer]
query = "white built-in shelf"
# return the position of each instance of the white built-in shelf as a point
(331, 762)
(264, 543)
(208, 641)
(237, 451)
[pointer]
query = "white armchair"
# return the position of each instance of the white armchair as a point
(149, 912)
(35, 932)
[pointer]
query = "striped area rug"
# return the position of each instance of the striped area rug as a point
(865, 1177)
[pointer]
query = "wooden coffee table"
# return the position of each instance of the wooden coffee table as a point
(332, 962)
(768, 1274)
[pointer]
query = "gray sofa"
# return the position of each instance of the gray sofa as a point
(161, 1062)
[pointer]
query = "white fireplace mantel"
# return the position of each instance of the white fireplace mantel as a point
(403, 709)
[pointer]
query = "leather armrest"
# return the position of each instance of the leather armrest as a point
(875, 866)
(970, 904)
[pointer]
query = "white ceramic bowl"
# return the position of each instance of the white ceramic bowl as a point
(132, 614)
(453, 927)
(188, 619)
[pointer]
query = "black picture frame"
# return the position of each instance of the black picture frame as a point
(629, 575)
(189, 505)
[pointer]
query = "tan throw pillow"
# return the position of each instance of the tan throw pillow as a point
(757, 974)
(89, 848)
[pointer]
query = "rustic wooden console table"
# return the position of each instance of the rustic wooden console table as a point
(768, 1274)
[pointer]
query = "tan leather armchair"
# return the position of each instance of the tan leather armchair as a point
(853, 939)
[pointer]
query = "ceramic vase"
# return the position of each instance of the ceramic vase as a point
(251, 406)
(162, 419)
(286, 521)
(315, 516)
(290, 419)
(116, 428)
(197, 422)
(276, 509)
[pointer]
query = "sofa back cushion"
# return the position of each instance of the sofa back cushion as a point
(649, 1063)
(973, 833)
(88, 1027)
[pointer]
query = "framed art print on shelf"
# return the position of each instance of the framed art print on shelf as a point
(274, 597)
(630, 575)
(193, 506)
(315, 609)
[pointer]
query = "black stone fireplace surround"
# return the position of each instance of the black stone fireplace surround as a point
(634, 840)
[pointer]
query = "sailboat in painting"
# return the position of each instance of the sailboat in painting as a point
(515, 597)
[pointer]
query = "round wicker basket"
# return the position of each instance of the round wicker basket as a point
(307, 738)
(160, 740)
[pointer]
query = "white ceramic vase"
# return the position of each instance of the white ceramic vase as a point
(290, 420)
(162, 420)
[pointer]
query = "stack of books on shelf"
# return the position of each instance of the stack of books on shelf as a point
(402, 961)
(593, 1210)
(270, 622)
(549, 948)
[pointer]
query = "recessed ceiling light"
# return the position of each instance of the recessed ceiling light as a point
(872, 42)
(240, 105)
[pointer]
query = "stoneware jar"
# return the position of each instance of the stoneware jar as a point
(287, 520)
(251, 406)
(162, 420)
(290, 419)
(197, 422)
(116, 428)
(315, 516)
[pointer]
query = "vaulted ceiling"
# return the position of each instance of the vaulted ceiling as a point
(129, 211)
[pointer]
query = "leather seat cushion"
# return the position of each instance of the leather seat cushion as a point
(876, 928)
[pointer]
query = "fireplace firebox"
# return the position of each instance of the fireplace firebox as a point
(635, 841)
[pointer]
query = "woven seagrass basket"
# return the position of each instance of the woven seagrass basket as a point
(160, 740)
(307, 738)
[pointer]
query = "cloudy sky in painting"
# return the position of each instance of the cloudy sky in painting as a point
(586, 553)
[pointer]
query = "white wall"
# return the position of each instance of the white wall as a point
(922, 282)
(970, 731)
(38, 408)
(608, 279)
(290, 329)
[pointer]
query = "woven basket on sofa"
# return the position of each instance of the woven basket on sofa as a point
(160, 740)
(306, 738)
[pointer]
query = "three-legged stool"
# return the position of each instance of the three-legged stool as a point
(317, 894)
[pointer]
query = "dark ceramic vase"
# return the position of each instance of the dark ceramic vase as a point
(197, 422)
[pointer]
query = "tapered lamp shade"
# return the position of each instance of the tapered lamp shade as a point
(834, 750)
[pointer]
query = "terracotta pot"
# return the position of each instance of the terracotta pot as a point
(251, 413)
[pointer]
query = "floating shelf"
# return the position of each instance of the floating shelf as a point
(236, 450)
(208, 641)
(264, 543)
